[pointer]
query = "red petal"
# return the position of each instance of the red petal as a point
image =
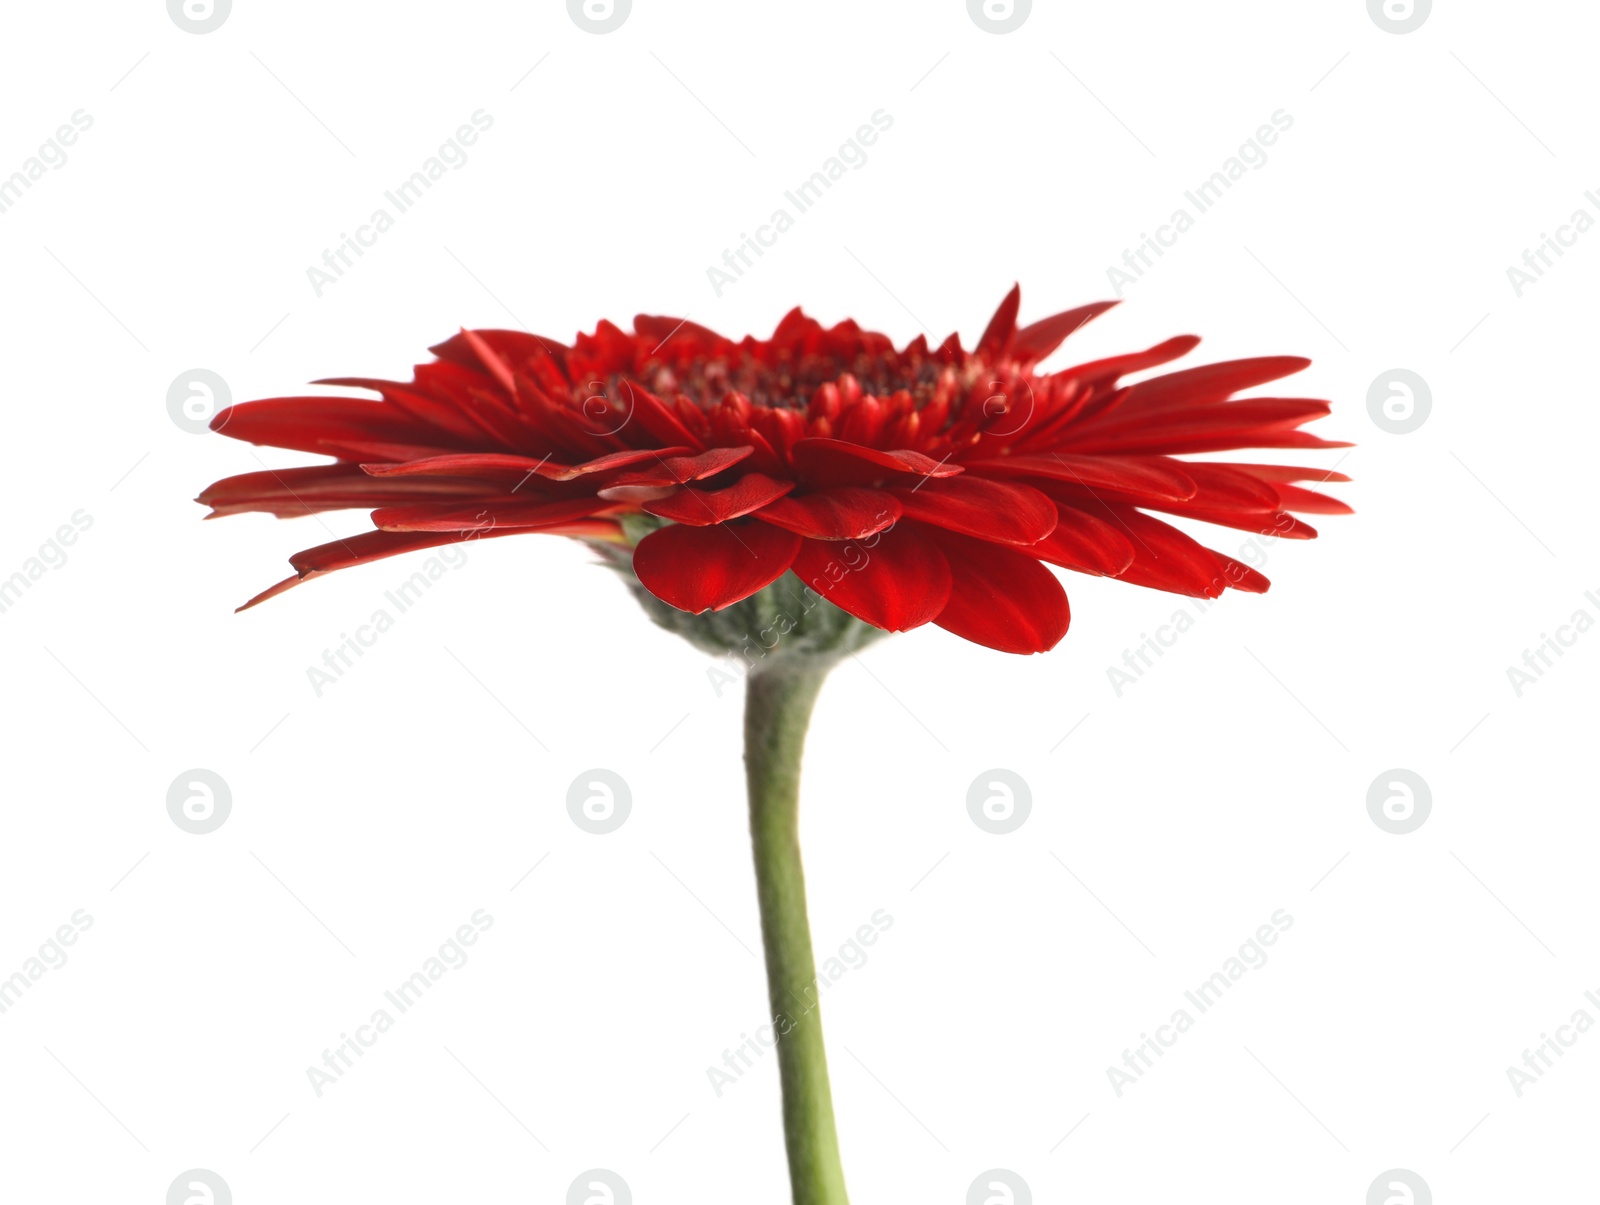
(349, 428)
(976, 506)
(1292, 497)
(1211, 382)
(896, 581)
(444, 414)
(1085, 543)
(708, 568)
(795, 328)
(1037, 340)
(1152, 478)
(997, 335)
(846, 512)
(356, 550)
(1166, 559)
(700, 508)
(309, 490)
(657, 419)
(460, 464)
(1224, 496)
(636, 495)
(1113, 367)
(496, 367)
(1284, 472)
(516, 347)
(1267, 523)
(1249, 423)
(1241, 577)
(603, 464)
(823, 461)
(1224, 488)
(484, 517)
(1001, 598)
(676, 470)
(687, 338)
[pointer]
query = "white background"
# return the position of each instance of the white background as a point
(1229, 782)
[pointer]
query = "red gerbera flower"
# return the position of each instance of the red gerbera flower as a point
(905, 487)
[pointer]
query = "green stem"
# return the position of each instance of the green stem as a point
(778, 703)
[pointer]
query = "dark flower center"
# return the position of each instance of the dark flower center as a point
(790, 383)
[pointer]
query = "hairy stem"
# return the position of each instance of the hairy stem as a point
(778, 704)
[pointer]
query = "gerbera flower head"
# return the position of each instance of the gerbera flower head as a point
(903, 487)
